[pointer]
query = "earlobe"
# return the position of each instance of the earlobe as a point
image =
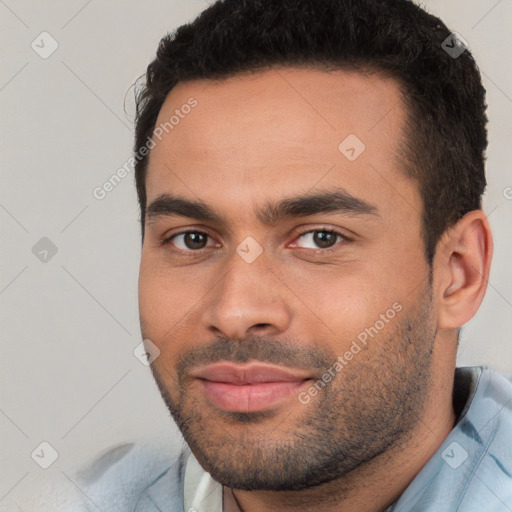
(463, 262)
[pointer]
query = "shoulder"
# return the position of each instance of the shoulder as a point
(472, 469)
(133, 477)
(482, 442)
(493, 396)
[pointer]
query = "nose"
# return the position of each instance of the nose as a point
(248, 299)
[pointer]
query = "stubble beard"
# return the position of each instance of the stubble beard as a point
(373, 404)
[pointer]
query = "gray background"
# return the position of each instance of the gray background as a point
(70, 324)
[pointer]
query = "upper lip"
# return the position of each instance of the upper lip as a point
(248, 373)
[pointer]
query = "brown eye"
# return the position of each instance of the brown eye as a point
(195, 240)
(320, 238)
(324, 238)
(190, 240)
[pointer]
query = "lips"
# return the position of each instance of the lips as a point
(248, 387)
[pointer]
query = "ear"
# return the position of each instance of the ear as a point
(462, 263)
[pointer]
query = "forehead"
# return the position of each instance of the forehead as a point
(280, 132)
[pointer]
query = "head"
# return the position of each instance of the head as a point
(310, 200)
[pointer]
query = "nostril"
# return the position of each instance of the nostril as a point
(261, 325)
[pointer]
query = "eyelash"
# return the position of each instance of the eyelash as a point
(190, 252)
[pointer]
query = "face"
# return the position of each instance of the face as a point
(283, 276)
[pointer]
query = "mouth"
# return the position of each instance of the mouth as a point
(249, 387)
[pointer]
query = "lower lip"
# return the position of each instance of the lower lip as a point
(249, 397)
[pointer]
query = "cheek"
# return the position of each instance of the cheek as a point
(344, 301)
(406, 268)
(330, 303)
(159, 319)
(169, 302)
(159, 307)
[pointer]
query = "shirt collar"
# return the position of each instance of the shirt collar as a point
(203, 494)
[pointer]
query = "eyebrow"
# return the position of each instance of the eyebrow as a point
(331, 201)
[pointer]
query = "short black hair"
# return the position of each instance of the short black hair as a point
(445, 136)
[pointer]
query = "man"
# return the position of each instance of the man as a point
(310, 178)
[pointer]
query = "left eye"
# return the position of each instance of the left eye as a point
(324, 239)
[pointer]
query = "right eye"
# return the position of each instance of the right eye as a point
(188, 241)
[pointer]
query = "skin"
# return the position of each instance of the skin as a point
(264, 137)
